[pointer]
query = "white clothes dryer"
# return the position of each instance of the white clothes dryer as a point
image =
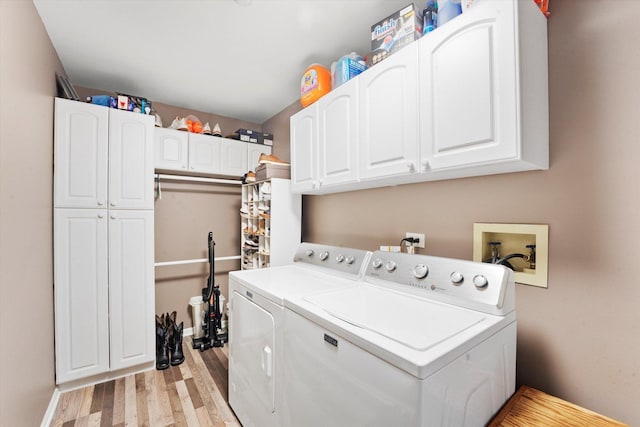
(256, 313)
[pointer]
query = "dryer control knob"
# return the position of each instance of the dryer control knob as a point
(310, 253)
(324, 255)
(377, 263)
(420, 271)
(390, 266)
(339, 258)
(456, 277)
(350, 260)
(480, 281)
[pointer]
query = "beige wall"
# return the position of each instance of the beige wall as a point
(27, 86)
(579, 338)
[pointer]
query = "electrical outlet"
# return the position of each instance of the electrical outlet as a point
(420, 244)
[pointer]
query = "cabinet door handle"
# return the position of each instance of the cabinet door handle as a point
(411, 166)
(100, 203)
(113, 217)
(112, 204)
(100, 216)
(425, 166)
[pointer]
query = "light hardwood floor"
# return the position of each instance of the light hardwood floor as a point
(194, 393)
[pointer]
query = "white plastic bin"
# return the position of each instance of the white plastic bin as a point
(197, 315)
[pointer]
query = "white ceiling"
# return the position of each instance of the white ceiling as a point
(237, 58)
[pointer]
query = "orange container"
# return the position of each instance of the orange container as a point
(316, 82)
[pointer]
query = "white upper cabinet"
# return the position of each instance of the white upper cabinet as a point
(304, 149)
(103, 157)
(171, 149)
(468, 99)
(234, 157)
(388, 116)
(207, 154)
(81, 154)
(338, 136)
(476, 97)
(130, 160)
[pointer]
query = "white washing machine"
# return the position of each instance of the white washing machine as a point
(256, 314)
(420, 341)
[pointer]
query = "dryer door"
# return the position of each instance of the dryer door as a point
(251, 361)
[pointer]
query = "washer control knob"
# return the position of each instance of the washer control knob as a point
(390, 266)
(310, 253)
(480, 281)
(324, 255)
(377, 263)
(456, 277)
(350, 260)
(420, 271)
(339, 258)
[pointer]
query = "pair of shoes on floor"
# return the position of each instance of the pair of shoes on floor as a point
(272, 160)
(168, 341)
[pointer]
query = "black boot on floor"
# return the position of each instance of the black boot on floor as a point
(162, 344)
(177, 356)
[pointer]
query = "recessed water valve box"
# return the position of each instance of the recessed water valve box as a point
(522, 247)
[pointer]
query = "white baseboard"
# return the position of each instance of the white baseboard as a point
(51, 409)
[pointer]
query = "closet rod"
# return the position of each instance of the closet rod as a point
(195, 261)
(198, 179)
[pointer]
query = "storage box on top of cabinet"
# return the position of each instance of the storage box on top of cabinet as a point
(103, 241)
(468, 99)
(270, 222)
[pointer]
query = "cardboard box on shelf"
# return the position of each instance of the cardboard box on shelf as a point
(268, 170)
(394, 32)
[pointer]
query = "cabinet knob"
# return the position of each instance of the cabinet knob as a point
(113, 217)
(411, 167)
(425, 166)
(100, 216)
(100, 203)
(112, 204)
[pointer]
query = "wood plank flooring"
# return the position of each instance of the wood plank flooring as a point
(194, 393)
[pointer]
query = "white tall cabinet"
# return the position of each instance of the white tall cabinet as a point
(103, 240)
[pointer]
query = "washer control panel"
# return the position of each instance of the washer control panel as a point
(339, 259)
(462, 282)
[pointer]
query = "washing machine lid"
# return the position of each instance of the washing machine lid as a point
(406, 319)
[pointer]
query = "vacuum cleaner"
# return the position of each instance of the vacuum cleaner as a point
(212, 322)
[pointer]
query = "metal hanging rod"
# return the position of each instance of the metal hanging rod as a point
(195, 261)
(197, 179)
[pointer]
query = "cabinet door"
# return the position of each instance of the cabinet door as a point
(468, 105)
(234, 157)
(81, 293)
(388, 116)
(130, 160)
(304, 140)
(171, 149)
(338, 136)
(254, 151)
(80, 159)
(131, 288)
(205, 153)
